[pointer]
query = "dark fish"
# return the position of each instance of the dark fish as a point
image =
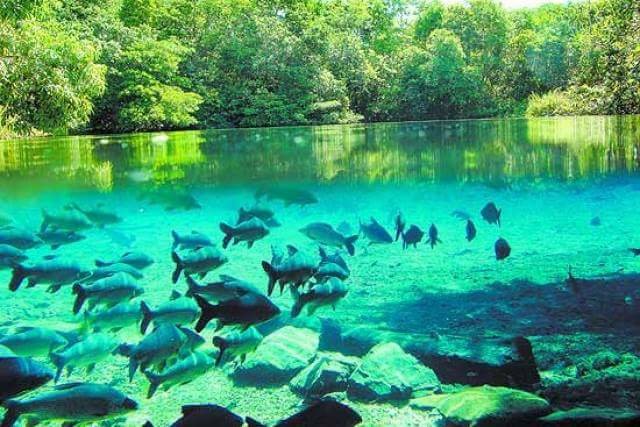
(324, 234)
(237, 344)
(491, 213)
(400, 224)
(635, 251)
(33, 342)
(10, 256)
(413, 236)
(86, 353)
(226, 288)
(462, 215)
(322, 294)
(375, 232)
(263, 213)
(136, 259)
(98, 215)
(326, 412)
(328, 270)
(197, 261)
(21, 374)
(247, 310)
(178, 311)
(336, 258)
(19, 238)
(72, 403)
(212, 416)
(65, 220)
(248, 231)
(117, 317)
(164, 344)
(502, 249)
(596, 221)
(433, 236)
(57, 238)
(55, 272)
(183, 371)
(471, 230)
(109, 291)
(290, 196)
(192, 240)
(171, 199)
(296, 269)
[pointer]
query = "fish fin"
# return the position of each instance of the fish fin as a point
(54, 246)
(179, 266)
(147, 424)
(17, 276)
(45, 220)
(291, 250)
(299, 302)
(323, 253)
(154, 383)
(228, 231)
(273, 276)
(192, 286)
(52, 288)
(99, 263)
(253, 423)
(208, 312)
(175, 295)
(90, 368)
(147, 317)
(222, 345)
(58, 361)
(250, 244)
(81, 296)
(176, 239)
(133, 367)
(219, 325)
(349, 241)
(12, 414)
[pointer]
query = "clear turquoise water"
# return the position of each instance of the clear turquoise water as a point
(551, 177)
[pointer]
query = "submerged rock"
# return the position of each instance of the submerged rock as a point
(591, 417)
(388, 373)
(328, 373)
(486, 406)
(279, 357)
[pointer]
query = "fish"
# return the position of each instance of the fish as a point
(165, 343)
(290, 196)
(248, 231)
(461, 215)
(413, 236)
(171, 199)
(65, 220)
(325, 412)
(183, 371)
(98, 215)
(263, 213)
(21, 374)
(433, 236)
(10, 256)
(193, 240)
(19, 238)
(71, 403)
(296, 270)
(211, 416)
(400, 225)
(491, 213)
(228, 287)
(244, 311)
(86, 353)
(120, 237)
(470, 230)
(111, 270)
(56, 272)
(327, 270)
(56, 238)
(375, 232)
(178, 311)
(113, 319)
(109, 291)
(237, 344)
(197, 261)
(136, 259)
(320, 295)
(502, 249)
(635, 251)
(34, 341)
(336, 258)
(324, 233)
(595, 221)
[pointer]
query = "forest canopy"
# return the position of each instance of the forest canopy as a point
(136, 65)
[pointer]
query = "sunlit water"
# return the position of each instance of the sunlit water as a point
(551, 178)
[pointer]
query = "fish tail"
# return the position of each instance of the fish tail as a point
(349, 244)
(154, 383)
(273, 276)
(58, 361)
(81, 296)
(147, 317)
(228, 231)
(12, 414)
(176, 240)
(208, 312)
(192, 286)
(179, 267)
(18, 275)
(222, 345)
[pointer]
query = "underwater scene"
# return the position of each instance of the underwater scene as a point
(454, 273)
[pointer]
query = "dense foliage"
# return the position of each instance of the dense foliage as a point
(130, 65)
